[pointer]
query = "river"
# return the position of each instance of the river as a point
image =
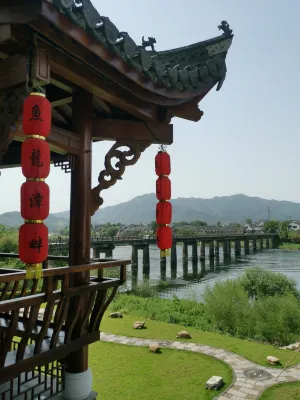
(190, 278)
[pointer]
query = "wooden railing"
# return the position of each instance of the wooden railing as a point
(48, 317)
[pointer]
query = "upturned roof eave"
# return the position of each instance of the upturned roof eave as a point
(138, 66)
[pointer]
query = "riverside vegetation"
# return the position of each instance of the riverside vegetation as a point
(261, 306)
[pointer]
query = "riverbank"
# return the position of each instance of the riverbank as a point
(289, 246)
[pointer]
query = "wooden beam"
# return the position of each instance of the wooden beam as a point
(60, 140)
(17, 12)
(61, 102)
(13, 71)
(5, 32)
(112, 129)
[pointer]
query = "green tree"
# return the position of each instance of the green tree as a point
(219, 223)
(249, 221)
(153, 226)
(271, 226)
(283, 230)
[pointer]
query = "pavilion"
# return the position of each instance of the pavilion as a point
(102, 85)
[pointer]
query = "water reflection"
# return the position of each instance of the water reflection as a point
(194, 274)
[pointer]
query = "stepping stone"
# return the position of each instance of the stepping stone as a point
(139, 325)
(215, 382)
(184, 335)
(154, 348)
(116, 315)
(272, 360)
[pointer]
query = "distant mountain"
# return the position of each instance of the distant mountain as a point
(14, 219)
(141, 209)
(226, 209)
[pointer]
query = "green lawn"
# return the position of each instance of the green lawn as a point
(127, 372)
(160, 330)
(289, 246)
(282, 391)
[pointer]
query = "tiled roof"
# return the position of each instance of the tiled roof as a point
(187, 68)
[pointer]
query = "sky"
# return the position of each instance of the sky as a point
(248, 140)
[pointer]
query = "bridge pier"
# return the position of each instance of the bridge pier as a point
(146, 260)
(194, 251)
(261, 243)
(163, 268)
(237, 247)
(267, 243)
(246, 246)
(106, 248)
(254, 244)
(174, 255)
(211, 249)
(226, 248)
(134, 255)
(185, 252)
(217, 248)
(202, 250)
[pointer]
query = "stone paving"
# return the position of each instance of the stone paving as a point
(242, 387)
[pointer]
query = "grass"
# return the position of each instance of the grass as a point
(126, 372)
(289, 246)
(255, 352)
(289, 391)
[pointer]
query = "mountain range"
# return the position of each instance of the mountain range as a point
(141, 209)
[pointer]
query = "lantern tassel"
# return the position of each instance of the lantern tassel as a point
(165, 253)
(34, 271)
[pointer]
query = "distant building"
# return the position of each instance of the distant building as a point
(294, 226)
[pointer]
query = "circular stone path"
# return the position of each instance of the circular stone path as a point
(242, 387)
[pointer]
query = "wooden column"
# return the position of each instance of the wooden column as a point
(80, 215)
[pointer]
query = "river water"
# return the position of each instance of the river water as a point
(190, 278)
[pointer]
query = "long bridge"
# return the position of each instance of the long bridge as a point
(210, 242)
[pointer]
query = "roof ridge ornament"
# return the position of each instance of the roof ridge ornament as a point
(148, 43)
(225, 27)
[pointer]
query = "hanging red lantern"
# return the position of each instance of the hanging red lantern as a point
(164, 237)
(162, 163)
(37, 115)
(35, 158)
(35, 198)
(35, 194)
(33, 243)
(163, 188)
(163, 213)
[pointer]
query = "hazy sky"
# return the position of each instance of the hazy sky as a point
(248, 140)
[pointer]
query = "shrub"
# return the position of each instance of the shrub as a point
(259, 282)
(277, 319)
(228, 308)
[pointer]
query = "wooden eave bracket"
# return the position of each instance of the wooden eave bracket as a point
(189, 111)
(112, 129)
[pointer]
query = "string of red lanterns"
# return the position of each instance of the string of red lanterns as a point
(35, 193)
(163, 207)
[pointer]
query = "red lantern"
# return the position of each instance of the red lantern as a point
(37, 115)
(164, 237)
(162, 163)
(163, 188)
(163, 213)
(35, 198)
(33, 243)
(35, 158)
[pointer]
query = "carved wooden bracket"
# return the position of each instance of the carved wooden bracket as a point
(11, 102)
(109, 176)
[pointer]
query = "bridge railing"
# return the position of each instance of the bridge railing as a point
(199, 236)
